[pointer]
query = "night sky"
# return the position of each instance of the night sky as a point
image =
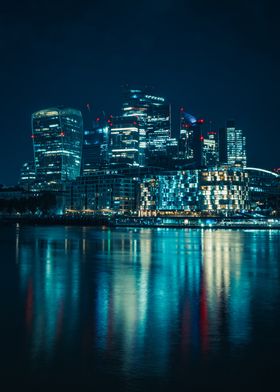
(218, 59)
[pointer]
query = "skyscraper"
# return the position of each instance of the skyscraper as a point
(191, 138)
(95, 146)
(125, 143)
(57, 141)
(232, 145)
(154, 118)
(210, 151)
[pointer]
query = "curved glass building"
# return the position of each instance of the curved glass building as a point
(57, 141)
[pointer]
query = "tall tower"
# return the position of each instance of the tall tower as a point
(57, 142)
(191, 138)
(125, 141)
(154, 118)
(95, 145)
(232, 145)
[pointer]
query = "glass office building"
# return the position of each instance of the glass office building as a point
(95, 147)
(210, 151)
(154, 118)
(191, 138)
(126, 146)
(57, 141)
(232, 145)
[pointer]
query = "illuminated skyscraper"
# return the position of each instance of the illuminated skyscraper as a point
(125, 142)
(210, 152)
(187, 124)
(232, 145)
(57, 141)
(95, 146)
(153, 116)
(191, 138)
(158, 128)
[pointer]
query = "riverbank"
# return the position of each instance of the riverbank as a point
(62, 220)
(152, 222)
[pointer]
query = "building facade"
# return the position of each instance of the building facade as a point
(95, 147)
(224, 189)
(232, 145)
(191, 138)
(154, 118)
(57, 142)
(210, 190)
(264, 189)
(109, 192)
(126, 146)
(210, 150)
(27, 175)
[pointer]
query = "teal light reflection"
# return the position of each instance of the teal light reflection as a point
(136, 296)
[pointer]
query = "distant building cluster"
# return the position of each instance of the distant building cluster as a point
(134, 163)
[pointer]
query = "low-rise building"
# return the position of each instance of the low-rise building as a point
(93, 193)
(212, 190)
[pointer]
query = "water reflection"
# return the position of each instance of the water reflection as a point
(138, 300)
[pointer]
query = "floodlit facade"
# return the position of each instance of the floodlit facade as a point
(223, 189)
(195, 190)
(57, 142)
(170, 191)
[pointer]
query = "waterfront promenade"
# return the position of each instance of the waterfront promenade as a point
(187, 222)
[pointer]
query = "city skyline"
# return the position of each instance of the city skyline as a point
(82, 53)
(66, 145)
(140, 195)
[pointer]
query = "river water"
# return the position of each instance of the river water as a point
(87, 308)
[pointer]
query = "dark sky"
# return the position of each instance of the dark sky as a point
(219, 59)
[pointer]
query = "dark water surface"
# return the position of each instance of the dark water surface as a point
(139, 309)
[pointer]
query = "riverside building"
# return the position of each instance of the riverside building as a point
(102, 192)
(205, 190)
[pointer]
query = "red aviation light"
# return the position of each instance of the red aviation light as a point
(201, 121)
(201, 138)
(32, 136)
(97, 119)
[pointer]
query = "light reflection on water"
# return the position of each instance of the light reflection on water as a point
(142, 302)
